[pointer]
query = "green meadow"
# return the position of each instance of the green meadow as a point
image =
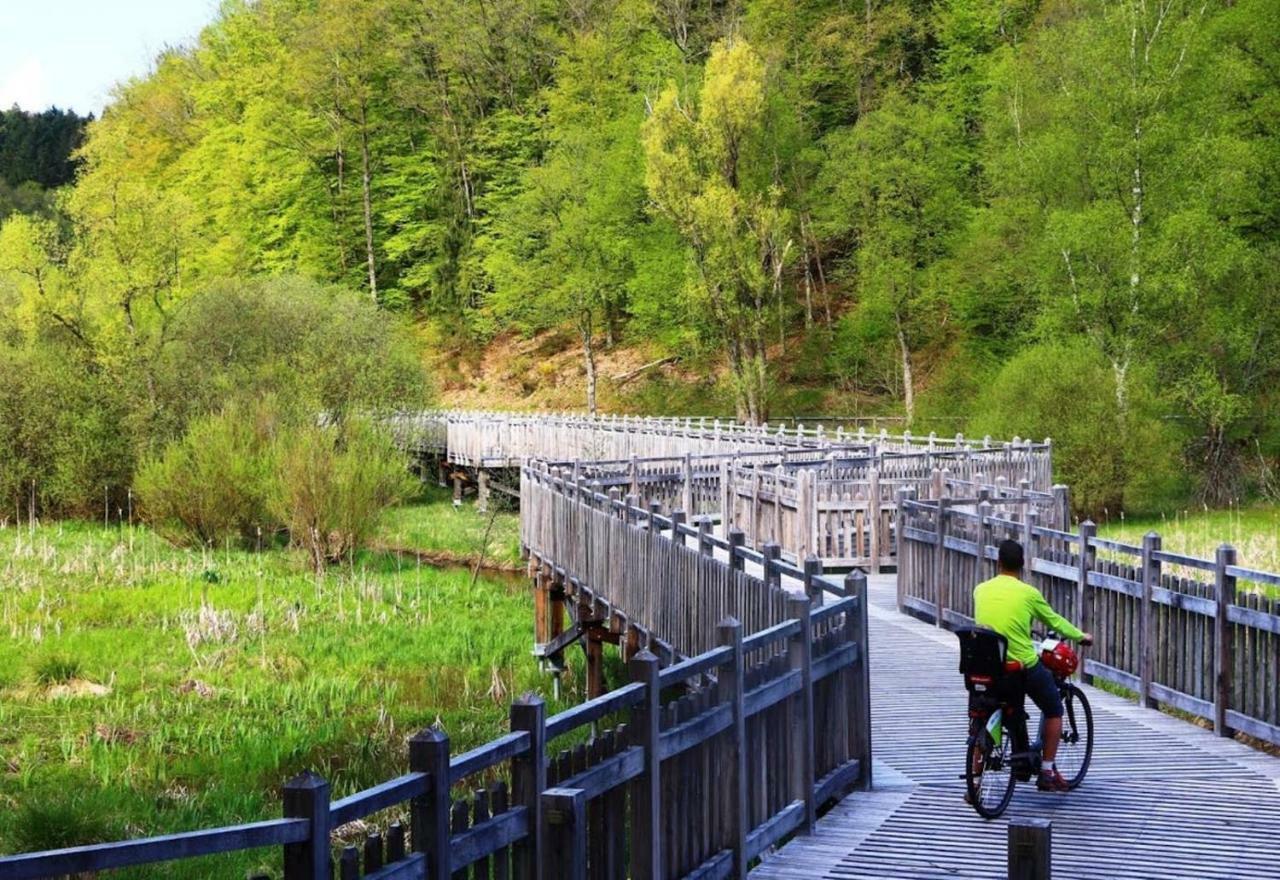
(1254, 531)
(146, 689)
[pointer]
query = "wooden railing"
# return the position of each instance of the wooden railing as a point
(506, 439)
(722, 747)
(771, 727)
(837, 505)
(1201, 635)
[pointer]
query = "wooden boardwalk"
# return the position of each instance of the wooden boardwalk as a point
(1163, 798)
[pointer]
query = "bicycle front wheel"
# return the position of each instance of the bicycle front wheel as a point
(988, 774)
(1076, 749)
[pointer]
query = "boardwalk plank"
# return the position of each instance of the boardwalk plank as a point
(1163, 799)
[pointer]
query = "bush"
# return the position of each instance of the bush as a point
(64, 435)
(211, 485)
(1066, 392)
(331, 484)
(313, 348)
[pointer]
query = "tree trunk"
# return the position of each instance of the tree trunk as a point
(908, 381)
(366, 183)
(589, 358)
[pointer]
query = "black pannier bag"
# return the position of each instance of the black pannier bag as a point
(982, 651)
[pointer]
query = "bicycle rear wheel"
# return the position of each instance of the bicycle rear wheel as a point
(988, 774)
(1076, 749)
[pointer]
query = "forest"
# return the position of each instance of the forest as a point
(1009, 217)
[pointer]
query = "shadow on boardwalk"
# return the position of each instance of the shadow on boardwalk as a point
(1163, 798)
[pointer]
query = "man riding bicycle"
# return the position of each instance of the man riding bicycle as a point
(1009, 606)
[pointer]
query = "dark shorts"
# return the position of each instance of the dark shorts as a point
(1043, 690)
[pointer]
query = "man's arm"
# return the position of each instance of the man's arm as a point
(1041, 610)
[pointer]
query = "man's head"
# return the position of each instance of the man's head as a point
(1010, 557)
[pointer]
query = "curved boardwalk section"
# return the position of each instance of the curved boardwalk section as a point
(1163, 798)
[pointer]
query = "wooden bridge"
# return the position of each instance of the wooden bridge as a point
(1163, 798)
(764, 676)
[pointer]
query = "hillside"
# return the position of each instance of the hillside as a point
(1049, 219)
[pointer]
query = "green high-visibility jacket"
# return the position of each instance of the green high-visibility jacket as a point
(1008, 606)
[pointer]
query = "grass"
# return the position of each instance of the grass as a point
(455, 534)
(1253, 531)
(146, 689)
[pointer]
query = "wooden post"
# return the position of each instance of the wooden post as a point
(704, 535)
(940, 562)
(899, 516)
(855, 585)
(731, 687)
(541, 606)
(1030, 849)
(1146, 619)
(813, 586)
(1031, 541)
(737, 538)
(686, 495)
(482, 491)
(984, 537)
(726, 497)
(457, 490)
(1062, 506)
(528, 780)
(754, 530)
(595, 661)
(306, 796)
(873, 515)
(1223, 640)
(646, 789)
(1087, 555)
(800, 659)
(443, 474)
(772, 553)
(800, 539)
(429, 814)
(677, 520)
(564, 814)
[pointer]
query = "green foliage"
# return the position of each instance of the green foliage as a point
(210, 485)
(39, 147)
(330, 673)
(57, 669)
(709, 169)
(332, 482)
(1111, 459)
(311, 347)
(64, 443)
(922, 189)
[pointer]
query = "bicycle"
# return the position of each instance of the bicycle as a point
(998, 755)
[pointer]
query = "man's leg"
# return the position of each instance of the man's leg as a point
(1044, 691)
(1052, 736)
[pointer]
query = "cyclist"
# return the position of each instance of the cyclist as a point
(1008, 605)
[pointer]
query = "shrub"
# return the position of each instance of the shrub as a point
(1066, 391)
(313, 348)
(331, 484)
(211, 485)
(63, 432)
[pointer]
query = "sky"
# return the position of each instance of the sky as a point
(69, 53)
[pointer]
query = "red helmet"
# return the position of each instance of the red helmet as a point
(1059, 658)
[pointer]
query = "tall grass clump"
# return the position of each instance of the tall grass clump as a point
(332, 483)
(211, 484)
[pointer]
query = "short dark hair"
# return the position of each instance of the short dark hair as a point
(1010, 555)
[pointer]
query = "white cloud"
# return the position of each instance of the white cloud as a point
(24, 85)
